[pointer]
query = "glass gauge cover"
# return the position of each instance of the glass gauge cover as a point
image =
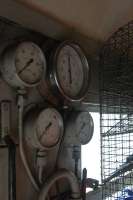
(71, 71)
(49, 127)
(24, 65)
(29, 62)
(85, 127)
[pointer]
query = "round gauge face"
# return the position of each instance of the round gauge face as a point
(49, 127)
(85, 127)
(30, 63)
(70, 71)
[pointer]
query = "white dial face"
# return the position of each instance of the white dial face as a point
(85, 127)
(49, 127)
(70, 71)
(30, 63)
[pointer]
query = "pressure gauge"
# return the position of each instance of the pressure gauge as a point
(79, 128)
(84, 127)
(70, 72)
(45, 129)
(23, 65)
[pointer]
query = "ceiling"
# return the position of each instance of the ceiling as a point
(92, 18)
(89, 21)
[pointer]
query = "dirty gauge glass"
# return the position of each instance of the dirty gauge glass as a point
(79, 128)
(85, 127)
(71, 71)
(29, 61)
(27, 64)
(49, 127)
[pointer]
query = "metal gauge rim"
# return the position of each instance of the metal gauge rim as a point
(91, 125)
(42, 58)
(9, 69)
(86, 70)
(61, 128)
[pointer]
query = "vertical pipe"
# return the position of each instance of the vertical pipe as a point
(83, 187)
(5, 136)
(21, 147)
(11, 168)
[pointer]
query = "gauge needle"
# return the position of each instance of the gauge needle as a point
(48, 126)
(82, 127)
(44, 132)
(26, 65)
(69, 70)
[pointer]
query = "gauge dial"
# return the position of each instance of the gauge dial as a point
(24, 65)
(49, 127)
(79, 128)
(71, 71)
(29, 62)
(84, 127)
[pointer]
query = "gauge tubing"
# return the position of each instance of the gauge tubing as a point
(58, 175)
(21, 148)
(63, 173)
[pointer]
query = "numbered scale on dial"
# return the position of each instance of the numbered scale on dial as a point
(70, 72)
(79, 128)
(23, 65)
(43, 130)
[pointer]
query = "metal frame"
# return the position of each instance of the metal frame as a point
(116, 112)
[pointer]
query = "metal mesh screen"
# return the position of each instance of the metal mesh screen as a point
(116, 113)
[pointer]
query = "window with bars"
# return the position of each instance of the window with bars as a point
(116, 113)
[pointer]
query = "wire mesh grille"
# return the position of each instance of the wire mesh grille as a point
(116, 113)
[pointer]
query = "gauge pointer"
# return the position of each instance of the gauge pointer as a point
(44, 132)
(69, 70)
(26, 65)
(48, 126)
(82, 127)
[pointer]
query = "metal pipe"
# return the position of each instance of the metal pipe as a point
(11, 167)
(21, 148)
(63, 173)
(83, 187)
(122, 169)
(6, 137)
